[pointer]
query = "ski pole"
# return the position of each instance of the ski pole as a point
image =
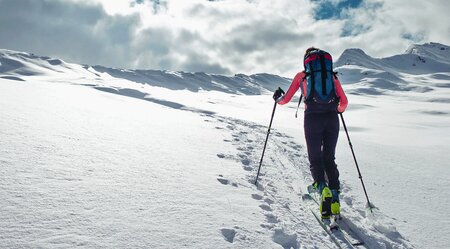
(298, 106)
(265, 143)
(354, 158)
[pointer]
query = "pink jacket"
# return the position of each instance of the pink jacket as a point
(300, 81)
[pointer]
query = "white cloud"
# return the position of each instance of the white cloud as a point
(390, 26)
(228, 36)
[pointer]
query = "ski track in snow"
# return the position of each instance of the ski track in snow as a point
(287, 217)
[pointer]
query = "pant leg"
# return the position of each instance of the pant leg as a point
(313, 126)
(330, 138)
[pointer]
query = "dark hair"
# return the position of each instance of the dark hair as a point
(310, 49)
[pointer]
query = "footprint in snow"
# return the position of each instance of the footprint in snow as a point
(248, 168)
(240, 148)
(271, 218)
(285, 240)
(265, 207)
(248, 153)
(246, 161)
(220, 155)
(348, 201)
(228, 234)
(257, 197)
(267, 226)
(230, 127)
(225, 181)
(269, 201)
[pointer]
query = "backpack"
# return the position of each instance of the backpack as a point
(320, 93)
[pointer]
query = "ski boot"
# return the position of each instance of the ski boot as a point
(325, 204)
(335, 205)
(316, 187)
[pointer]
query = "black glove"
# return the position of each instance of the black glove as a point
(278, 93)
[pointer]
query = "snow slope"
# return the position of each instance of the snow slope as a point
(417, 59)
(99, 157)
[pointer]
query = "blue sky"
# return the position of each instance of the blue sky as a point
(220, 36)
(329, 9)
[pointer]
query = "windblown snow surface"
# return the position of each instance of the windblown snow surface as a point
(96, 157)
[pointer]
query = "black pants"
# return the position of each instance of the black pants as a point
(321, 133)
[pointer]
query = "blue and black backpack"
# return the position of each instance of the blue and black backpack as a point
(320, 94)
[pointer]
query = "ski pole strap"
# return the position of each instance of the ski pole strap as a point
(298, 106)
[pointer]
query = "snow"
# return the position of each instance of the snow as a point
(102, 157)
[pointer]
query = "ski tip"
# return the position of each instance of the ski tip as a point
(334, 228)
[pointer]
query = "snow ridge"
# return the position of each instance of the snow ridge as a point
(403, 72)
(27, 64)
(418, 59)
(436, 51)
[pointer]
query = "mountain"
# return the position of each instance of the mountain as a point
(403, 72)
(435, 51)
(370, 75)
(417, 59)
(17, 64)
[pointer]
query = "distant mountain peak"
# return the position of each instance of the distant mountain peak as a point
(418, 48)
(352, 56)
(354, 51)
(417, 59)
(436, 51)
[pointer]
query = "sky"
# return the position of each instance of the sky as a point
(217, 36)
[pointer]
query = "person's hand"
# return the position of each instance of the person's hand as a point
(340, 109)
(278, 93)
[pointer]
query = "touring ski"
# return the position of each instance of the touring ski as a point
(337, 228)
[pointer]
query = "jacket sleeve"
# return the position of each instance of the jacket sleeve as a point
(295, 85)
(343, 101)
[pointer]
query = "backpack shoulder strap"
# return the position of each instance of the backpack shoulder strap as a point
(324, 73)
(313, 80)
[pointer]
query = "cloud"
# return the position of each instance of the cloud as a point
(224, 37)
(77, 32)
(157, 5)
(134, 2)
(384, 28)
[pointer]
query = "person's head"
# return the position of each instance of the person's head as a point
(310, 49)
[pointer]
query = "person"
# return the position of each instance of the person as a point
(321, 123)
